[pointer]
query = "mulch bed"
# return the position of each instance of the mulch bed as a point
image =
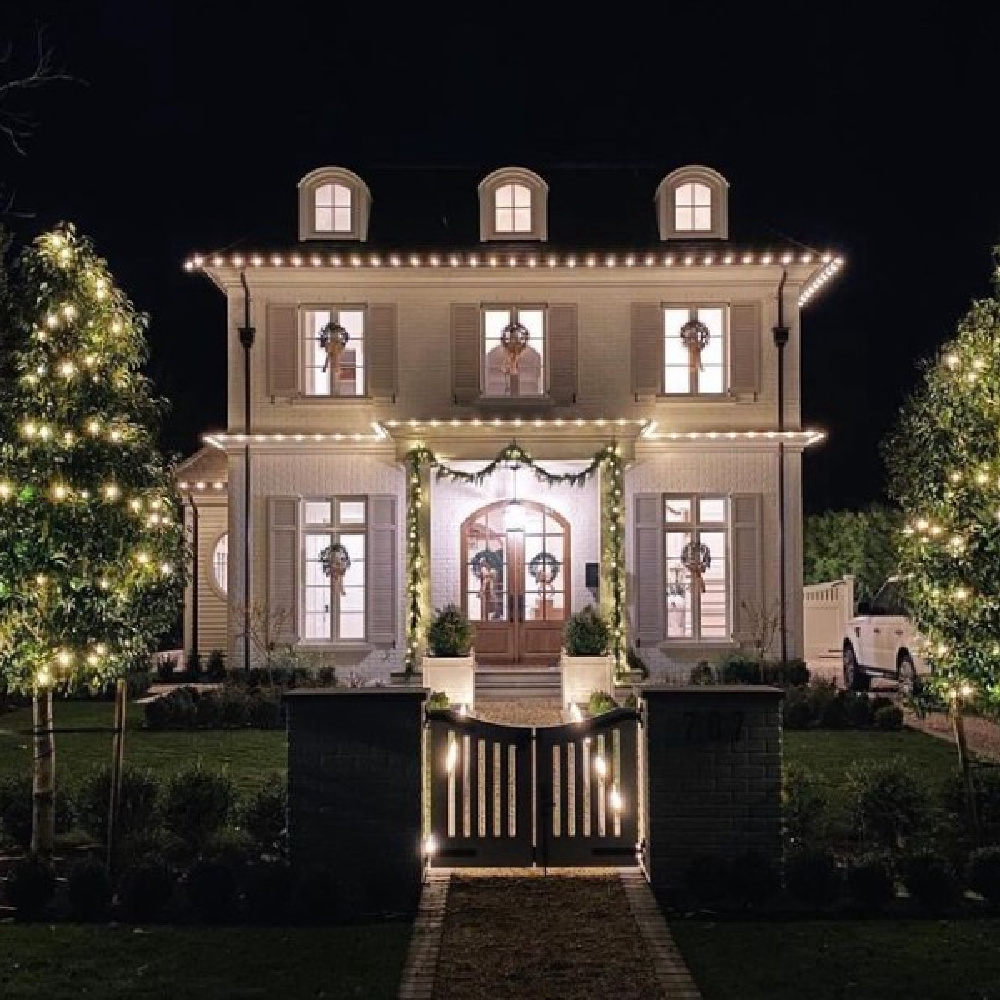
(982, 735)
(567, 935)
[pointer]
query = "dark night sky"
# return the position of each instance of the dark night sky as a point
(863, 134)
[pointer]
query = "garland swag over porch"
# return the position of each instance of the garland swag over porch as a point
(419, 460)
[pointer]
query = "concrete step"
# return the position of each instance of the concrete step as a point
(514, 683)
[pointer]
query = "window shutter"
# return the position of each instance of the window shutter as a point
(744, 347)
(748, 590)
(647, 348)
(282, 566)
(465, 352)
(381, 582)
(282, 350)
(562, 354)
(381, 338)
(650, 556)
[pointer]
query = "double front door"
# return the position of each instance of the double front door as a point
(516, 582)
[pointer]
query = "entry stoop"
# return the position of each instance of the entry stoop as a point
(516, 683)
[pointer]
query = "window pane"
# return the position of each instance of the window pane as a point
(673, 320)
(712, 510)
(683, 218)
(348, 378)
(220, 563)
(324, 218)
(341, 196)
(324, 195)
(679, 597)
(521, 196)
(352, 626)
(505, 196)
(678, 510)
(677, 379)
(317, 381)
(352, 512)
(318, 511)
(522, 220)
(341, 219)
(701, 219)
(684, 194)
(713, 599)
(317, 618)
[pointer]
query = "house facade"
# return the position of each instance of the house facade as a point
(509, 424)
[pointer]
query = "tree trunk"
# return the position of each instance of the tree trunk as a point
(43, 786)
(965, 765)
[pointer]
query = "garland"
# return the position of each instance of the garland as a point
(608, 458)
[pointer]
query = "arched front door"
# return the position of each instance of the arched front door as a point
(516, 581)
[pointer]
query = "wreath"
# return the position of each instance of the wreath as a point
(697, 559)
(695, 336)
(544, 568)
(333, 338)
(487, 565)
(514, 339)
(335, 562)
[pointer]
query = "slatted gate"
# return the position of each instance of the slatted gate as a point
(565, 795)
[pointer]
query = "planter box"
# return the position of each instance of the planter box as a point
(455, 675)
(581, 675)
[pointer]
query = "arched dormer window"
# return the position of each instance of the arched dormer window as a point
(692, 203)
(513, 205)
(334, 204)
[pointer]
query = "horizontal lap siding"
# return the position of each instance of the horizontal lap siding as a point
(213, 614)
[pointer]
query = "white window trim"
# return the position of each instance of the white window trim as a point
(666, 201)
(695, 527)
(539, 192)
(360, 204)
(213, 581)
(333, 307)
(515, 310)
(691, 393)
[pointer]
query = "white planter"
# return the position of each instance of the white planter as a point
(454, 675)
(582, 675)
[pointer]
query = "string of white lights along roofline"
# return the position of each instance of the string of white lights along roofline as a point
(830, 262)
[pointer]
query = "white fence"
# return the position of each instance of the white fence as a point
(827, 607)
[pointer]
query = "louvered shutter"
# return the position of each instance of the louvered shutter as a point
(465, 353)
(282, 350)
(647, 348)
(748, 592)
(562, 354)
(382, 575)
(650, 555)
(744, 347)
(282, 567)
(381, 338)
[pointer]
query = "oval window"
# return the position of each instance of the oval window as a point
(220, 563)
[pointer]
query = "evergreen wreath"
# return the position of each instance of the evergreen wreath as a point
(697, 559)
(333, 338)
(335, 562)
(544, 568)
(486, 558)
(695, 337)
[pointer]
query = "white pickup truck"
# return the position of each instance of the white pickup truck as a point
(880, 640)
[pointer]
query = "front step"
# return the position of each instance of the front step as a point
(515, 683)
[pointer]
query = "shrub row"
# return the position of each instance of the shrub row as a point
(213, 670)
(228, 707)
(137, 683)
(740, 669)
(821, 704)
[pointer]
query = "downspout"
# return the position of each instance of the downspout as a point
(195, 569)
(246, 339)
(780, 341)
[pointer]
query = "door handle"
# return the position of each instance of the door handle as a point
(511, 612)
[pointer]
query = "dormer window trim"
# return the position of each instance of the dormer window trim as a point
(502, 210)
(669, 213)
(360, 205)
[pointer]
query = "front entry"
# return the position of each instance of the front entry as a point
(516, 582)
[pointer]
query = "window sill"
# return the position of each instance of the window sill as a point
(690, 648)
(325, 646)
(516, 401)
(699, 397)
(306, 398)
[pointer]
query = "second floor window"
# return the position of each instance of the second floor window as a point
(513, 209)
(694, 349)
(334, 351)
(513, 351)
(693, 207)
(333, 208)
(333, 577)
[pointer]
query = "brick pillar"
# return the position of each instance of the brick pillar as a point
(712, 763)
(354, 792)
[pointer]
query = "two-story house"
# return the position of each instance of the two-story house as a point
(652, 388)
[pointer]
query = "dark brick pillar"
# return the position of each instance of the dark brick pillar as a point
(354, 792)
(712, 765)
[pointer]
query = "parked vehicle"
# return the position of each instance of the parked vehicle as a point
(881, 640)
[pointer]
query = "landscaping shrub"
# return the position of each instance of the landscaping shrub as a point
(192, 667)
(599, 702)
(983, 873)
(706, 879)
(207, 710)
(587, 633)
(231, 845)
(858, 711)
(797, 709)
(15, 810)
(174, 710)
(889, 718)
(804, 801)
(635, 662)
(90, 891)
(234, 707)
(30, 888)
(449, 632)
(264, 817)
(165, 668)
(887, 801)
(215, 666)
(702, 673)
(739, 668)
(832, 712)
(197, 803)
(264, 710)
(812, 877)
(870, 882)
(140, 792)
(326, 676)
(986, 782)
(438, 699)
(146, 889)
(212, 890)
(929, 879)
(267, 891)
(752, 879)
(316, 899)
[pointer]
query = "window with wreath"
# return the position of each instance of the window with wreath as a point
(693, 207)
(333, 351)
(220, 563)
(513, 351)
(697, 567)
(332, 204)
(694, 349)
(333, 578)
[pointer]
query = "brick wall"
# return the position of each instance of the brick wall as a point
(712, 765)
(354, 793)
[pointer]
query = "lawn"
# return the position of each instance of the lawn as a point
(830, 960)
(253, 758)
(170, 963)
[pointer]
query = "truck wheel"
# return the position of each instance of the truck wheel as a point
(906, 676)
(855, 679)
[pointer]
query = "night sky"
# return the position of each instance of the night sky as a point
(869, 136)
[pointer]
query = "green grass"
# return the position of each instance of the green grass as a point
(830, 960)
(175, 963)
(254, 758)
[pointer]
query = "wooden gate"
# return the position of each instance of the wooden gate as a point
(551, 796)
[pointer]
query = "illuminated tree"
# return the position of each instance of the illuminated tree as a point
(91, 537)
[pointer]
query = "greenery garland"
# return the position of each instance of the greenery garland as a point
(608, 458)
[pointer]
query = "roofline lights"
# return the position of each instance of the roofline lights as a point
(201, 485)
(221, 440)
(515, 422)
(803, 437)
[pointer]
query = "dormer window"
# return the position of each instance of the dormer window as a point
(692, 203)
(512, 205)
(334, 204)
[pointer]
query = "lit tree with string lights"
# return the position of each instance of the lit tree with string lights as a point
(92, 550)
(944, 464)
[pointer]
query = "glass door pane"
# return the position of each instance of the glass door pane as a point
(486, 568)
